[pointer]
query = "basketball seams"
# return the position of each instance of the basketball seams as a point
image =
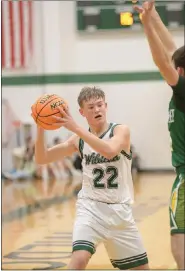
(36, 106)
(63, 103)
(45, 105)
(49, 115)
(38, 120)
(38, 114)
(38, 102)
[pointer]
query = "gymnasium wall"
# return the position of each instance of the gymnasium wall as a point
(119, 62)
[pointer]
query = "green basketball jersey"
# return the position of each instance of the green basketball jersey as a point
(176, 123)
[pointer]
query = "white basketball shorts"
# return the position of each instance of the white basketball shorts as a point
(112, 224)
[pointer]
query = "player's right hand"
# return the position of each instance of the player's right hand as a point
(33, 114)
(33, 117)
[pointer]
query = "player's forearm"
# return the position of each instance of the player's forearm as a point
(160, 56)
(164, 35)
(96, 143)
(40, 149)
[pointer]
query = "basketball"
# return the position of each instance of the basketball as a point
(45, 108)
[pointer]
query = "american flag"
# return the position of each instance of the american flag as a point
(17, 33)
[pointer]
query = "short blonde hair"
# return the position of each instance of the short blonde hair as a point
(88, 93)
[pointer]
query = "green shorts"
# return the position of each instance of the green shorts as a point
(176, 208)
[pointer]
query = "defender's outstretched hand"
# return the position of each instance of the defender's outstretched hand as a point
(146, 10)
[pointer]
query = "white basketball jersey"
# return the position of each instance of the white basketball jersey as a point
(106, 180)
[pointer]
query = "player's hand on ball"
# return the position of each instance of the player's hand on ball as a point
(66, 120)
(33, 117)
(32, 114)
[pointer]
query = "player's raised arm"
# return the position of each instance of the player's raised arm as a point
(45, 156)
(162, 31)
(164, 34)
(161, 56)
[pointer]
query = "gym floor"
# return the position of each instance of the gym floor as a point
(39, 235)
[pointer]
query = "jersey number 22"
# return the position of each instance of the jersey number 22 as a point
(99, 175)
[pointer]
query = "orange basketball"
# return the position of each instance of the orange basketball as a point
(45, 108)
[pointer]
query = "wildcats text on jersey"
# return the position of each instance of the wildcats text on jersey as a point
(96, 158)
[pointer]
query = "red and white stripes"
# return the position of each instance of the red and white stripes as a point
(17, 34)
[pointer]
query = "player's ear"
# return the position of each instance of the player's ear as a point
(81, 112)
(180, 71)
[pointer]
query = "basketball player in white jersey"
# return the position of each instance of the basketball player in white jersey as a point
(103, 211)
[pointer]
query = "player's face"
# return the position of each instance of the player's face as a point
(94, 111)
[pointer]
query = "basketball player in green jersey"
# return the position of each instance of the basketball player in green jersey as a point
(104, 212)
(171, 64)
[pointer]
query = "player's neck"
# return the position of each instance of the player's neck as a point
(99, 130)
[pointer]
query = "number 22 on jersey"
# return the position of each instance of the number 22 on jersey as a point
(99, 174)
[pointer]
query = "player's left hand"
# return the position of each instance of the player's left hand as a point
(66, 120)
(147, 10)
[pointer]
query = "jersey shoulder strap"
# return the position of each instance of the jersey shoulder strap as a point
(112, 129)
(81, 146)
